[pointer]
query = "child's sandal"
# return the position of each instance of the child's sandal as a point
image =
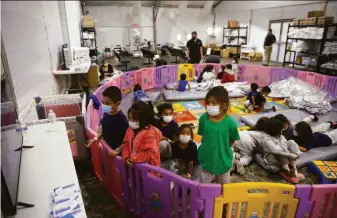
(289, 178)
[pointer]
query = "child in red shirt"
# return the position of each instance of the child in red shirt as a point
(228, 74)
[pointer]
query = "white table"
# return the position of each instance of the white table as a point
(48, 165)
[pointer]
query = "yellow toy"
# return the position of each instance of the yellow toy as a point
(187, 69)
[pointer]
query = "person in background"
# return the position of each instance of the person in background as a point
(114, 122)
(228, 75)
(182, 83)
(141, 142)
(106, 70)
(259, 101)
(184, 155)
(208, 68)
(268, 46)
(278, 151)
(168, 128)
(235, 67)
(218, 132)
(139, 94)
(194, 49)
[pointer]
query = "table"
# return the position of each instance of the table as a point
(69, 73)
(48, 165)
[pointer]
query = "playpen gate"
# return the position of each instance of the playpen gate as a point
(187, 69)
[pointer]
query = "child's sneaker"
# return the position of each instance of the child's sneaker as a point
(240, 169)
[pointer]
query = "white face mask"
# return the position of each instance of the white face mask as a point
(106, 64)
(134, 125)
(185, 138)
(167, 119)
(213, 110)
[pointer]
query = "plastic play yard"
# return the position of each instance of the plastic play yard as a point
(148, 196)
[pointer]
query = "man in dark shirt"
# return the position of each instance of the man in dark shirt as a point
(194, 49)
(268, 46)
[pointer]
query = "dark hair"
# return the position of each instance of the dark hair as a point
(220, 93)
(304, 132)
(270, 30)
(182, 76)
(273, 127)
(229, 66)
(266, 89)
(223, 67)
(114, 93)
(142, 112)
(236, 59)
(282, 118)
(260, 124)
(194, 32)
(183, 127)
(208, 68)
(164, 106)
(136, 88)
(254, 86)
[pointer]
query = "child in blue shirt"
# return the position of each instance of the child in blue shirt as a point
(114, 122)
(182, 83)
(139, 94)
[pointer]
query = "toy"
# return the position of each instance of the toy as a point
(327, 170)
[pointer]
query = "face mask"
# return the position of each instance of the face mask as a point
(167, 119)
(106, 64)
(106, 108)
(185, 138)
(194, 37)
(213, 110)
(134, 125)
(294, 133)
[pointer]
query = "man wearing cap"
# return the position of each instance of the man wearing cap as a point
(194, 49)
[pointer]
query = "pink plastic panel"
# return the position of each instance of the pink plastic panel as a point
(73, 148)
(114, 82)
(330, 85)
(92, 118)
(158, 76)
(95, 155)
(304, 205)
(278, 74)
(257, 74)
(312, 78)
(241, 72)
(146, 78)
(128, 81)
(322, 196)
(64, 110)
(168, 73)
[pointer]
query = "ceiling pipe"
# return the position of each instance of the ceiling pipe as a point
(324, 7)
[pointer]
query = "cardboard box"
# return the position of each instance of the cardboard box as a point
(88, 23)
(296, 22)
(315, 14)
(325, 20)
(234, 50)
(233, 23)
(212, 45)
(311, 21)
(224, 53)
(303, 22)
(256, 56)
(88, 18)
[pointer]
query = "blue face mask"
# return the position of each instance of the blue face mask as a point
(106, 108)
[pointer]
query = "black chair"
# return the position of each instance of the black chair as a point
(121, 61)
(147, 54)
(178, 53)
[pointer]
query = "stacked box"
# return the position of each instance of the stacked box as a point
(315, 14)
(325, 20)
(233, 23)
(311, 21)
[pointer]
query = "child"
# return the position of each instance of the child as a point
(235, 67)
(253, 92)
(141, 142)
(139, 94)
(317, 136)
(218, 132)
(276, 150)
(168, 128)
(184, 154)
(259, 100)
(106, 70)
(228, 75)
(220, 74)
(208, 68)
(182, 83)
(114, 122)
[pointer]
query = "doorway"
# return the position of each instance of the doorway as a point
(280, 30)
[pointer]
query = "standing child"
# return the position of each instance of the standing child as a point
(182, 83)
(228, 75)
(184, 154)
(218, 132)
(114, 122)
(141, 142)
(235, 67)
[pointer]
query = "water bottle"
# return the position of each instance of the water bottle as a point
(51, 116)
(18, 127)
(24, 129)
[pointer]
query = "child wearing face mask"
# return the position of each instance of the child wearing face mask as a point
(141, 142)
(114, 123)
(168, 128)
(218, 132)
(106, 70)
(184, 155)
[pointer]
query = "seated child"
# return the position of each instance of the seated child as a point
(139, 94)
(220, 74)
(114, 123)
(277, 151)
(168, 128)
(253, 91)
(182, 83)
(228, 75)
(318, 136)
(208, 68)
(259, 100)
(184, 155)
(141, 142)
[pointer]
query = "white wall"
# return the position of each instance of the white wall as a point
(74, 17)
(32, 36)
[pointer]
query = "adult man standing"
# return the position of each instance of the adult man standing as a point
(268, 46)
(194, 49)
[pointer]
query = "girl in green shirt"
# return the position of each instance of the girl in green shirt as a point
(218, 132)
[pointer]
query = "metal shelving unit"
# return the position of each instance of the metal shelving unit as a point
(318, 54)
(235, 36)
(90, 42)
